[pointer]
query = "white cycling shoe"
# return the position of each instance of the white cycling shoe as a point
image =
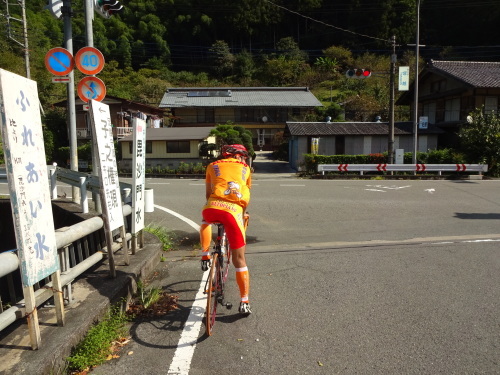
(244, 308)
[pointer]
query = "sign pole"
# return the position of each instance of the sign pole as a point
(68, 37)
(58, 297)
(32, 317)
(108, 234)
(123, 234)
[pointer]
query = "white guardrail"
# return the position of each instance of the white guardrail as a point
(84, 181)
(80, 246)
(480, 168)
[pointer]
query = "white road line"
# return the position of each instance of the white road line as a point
(486, 240)
(187, 343)
(181, 362)
(183, 218)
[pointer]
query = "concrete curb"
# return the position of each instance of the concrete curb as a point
(94, 292)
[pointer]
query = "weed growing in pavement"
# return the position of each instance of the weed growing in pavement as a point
(147, 297)
(165, 237)
(97, 344)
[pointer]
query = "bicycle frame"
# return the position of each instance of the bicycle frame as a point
(214, 287)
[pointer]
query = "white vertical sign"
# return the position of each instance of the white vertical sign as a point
(400, 156)
(138, 174)
(108, 176)
(404, 78)
(27, 174)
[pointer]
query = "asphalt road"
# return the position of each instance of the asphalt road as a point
(347, 277)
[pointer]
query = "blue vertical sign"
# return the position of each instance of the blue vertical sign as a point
(27, 174)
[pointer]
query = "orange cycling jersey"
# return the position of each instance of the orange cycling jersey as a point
(229, 181)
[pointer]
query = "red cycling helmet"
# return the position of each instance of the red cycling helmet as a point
(229, 150)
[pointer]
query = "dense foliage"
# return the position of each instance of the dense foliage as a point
(156, 44)
(230, 134)
(480, 139)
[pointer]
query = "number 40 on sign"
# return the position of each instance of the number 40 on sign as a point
(89, 60)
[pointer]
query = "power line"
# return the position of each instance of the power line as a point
(326, 24)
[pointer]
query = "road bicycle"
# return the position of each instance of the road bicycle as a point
(214, 287)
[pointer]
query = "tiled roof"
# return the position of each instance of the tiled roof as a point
(354, 128)
(473, 73)
(239, 97)
(174, 134)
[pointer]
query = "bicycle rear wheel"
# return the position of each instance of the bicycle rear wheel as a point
(212, 293)
(227, 257)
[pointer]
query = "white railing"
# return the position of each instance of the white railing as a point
(80, 246)
(123, 132)
(419, 168)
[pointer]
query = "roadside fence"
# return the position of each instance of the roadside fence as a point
(419, 168)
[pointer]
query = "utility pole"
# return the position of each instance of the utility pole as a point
(10, 33)
(25, 34)
(68, 42)
(415, 109)
(390, 148)
(89, 17)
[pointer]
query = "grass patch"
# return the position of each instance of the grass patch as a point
(147, 297)
(96, 347)
(151, 302)
(165, 237)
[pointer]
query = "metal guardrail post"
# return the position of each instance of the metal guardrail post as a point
(53, 184)
(83, 195)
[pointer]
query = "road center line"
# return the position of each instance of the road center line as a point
(181, 362)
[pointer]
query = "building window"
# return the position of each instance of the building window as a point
(149, 147)
(452, 110)
(438, 86)
(178, 147)
(491, 104)
(205, 115)
(130, 147)
(430, 112)
(245, 114)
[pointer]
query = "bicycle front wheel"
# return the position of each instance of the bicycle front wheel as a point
(212, 292)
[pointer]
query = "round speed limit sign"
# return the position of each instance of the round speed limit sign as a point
(89, 60)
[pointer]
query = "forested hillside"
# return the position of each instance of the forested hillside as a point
(154, 44)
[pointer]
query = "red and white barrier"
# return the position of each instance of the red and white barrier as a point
(402, 168)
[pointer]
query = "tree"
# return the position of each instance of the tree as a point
(230, 134)
(480, 139)
(222, 59)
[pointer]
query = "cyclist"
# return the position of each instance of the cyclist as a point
(228, 185)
